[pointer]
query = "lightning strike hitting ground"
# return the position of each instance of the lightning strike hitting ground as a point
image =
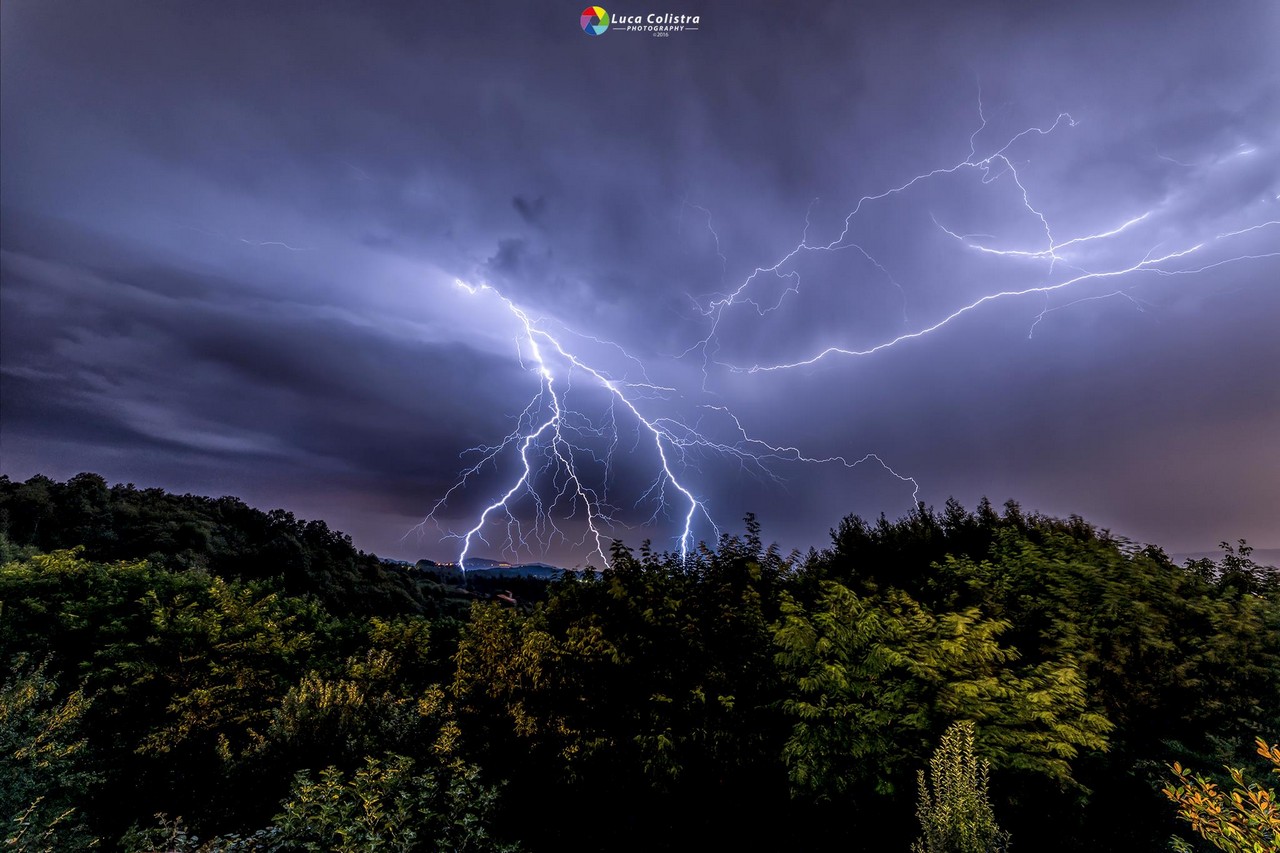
(556, 464)
(549, 427)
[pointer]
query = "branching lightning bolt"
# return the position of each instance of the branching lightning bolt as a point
(557, 444)
(716, 307)
(548, 426)
(1056, 252)
(756, 452)
(549, 441)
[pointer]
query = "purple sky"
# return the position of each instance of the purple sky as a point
(229, 235)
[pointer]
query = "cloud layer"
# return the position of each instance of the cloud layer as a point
(229, 235)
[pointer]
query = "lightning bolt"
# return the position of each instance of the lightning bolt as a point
(549, 427)
(259, 244)
(262, 243)
(753, 452)
(550, 443)
(556, 448)
(995, 166)
(1147, 264)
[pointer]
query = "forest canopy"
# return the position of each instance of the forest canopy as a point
(192, 673)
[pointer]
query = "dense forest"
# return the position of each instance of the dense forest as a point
(188, 673)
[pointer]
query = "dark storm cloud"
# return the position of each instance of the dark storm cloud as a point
(530, 211)
(92, 359)
(230, 231)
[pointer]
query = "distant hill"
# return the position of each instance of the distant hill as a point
(524, 570)
(480, 567)
(483, 563)
(222, 536)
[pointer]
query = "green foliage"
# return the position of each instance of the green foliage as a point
(174, 836)
(41, 762)
(737, 698)
(645, 663)
(381, 699)
(1183, 662)
(646, 690)
(1237, 570)
(11, 552)
(213, 692)
(235, 647)
(954, 808)
(205, 655)
(223, 536)
(186, 669)
(874, 678)
(386, 806)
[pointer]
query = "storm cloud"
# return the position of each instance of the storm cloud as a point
(229, 234)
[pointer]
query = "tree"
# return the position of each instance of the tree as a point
(955, 811)
(385, 805)
(381, 701)
(874, 678)
(646, 695)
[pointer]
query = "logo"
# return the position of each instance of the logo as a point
(595, 20)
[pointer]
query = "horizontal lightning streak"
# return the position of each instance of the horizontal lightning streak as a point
(716, 307)
(991, 297)
(992, 167)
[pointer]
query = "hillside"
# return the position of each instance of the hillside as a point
(259, 678)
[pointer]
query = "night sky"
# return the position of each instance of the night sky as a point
(231, 231)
